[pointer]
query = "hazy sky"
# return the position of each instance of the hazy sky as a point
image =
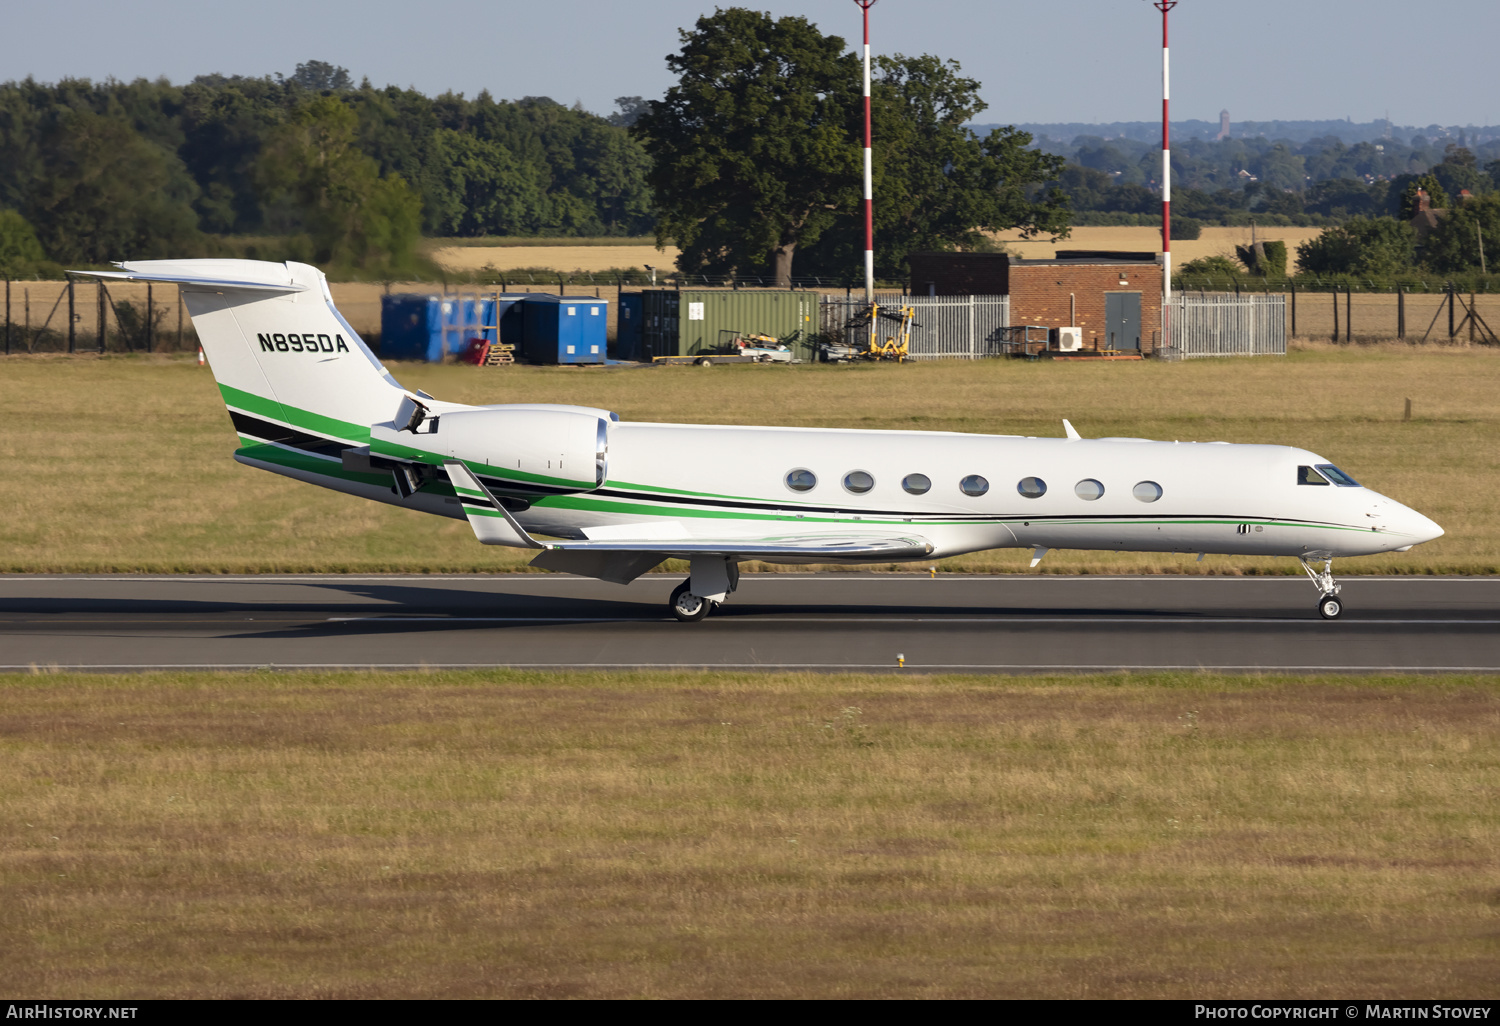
(1044, 61)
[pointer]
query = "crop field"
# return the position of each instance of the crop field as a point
(122, 464)
(1214, 241)
(531, 835)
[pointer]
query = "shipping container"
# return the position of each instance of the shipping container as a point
(628, 336)
(565, 329)
(690, 322)
(414, 326)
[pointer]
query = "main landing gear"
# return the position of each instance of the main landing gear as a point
(1329, 606)
(710, 582)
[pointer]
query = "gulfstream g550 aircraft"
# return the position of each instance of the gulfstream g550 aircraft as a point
(310, 401)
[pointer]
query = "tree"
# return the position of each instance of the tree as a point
(20, 252)
(1453, 246)
(321, 77)
(750, 150)
(628, 110)
(324, 185)
(937, 184)
(105, 193)
(1375, 247)
(756, 154)
(1405, 189)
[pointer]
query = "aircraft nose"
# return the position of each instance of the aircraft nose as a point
(1416, 526)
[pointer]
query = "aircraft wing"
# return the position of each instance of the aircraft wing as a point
(622, 558)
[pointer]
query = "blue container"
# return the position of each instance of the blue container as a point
(564, 329)
(628, 337)
(430, 327)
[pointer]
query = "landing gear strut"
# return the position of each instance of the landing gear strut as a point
(1329, 606)
(711, 580)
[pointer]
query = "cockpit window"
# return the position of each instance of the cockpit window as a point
(1309, 476)
(1337, 476)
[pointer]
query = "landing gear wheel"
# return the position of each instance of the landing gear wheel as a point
(1329, 607)
(705, 362)
(686, 606)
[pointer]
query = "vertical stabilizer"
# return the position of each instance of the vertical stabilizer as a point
(279, 349)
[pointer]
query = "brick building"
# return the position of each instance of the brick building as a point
(1114, 297)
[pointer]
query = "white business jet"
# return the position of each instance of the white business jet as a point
(614, 499)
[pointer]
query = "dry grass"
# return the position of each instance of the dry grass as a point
(529, 835)
(562, 257)
(122, 464)
(1215, 241)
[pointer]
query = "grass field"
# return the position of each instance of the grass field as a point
(1214, 241)
(123, 464)
(469, 255)
(526, 835)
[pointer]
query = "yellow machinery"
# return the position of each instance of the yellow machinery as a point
(895, 346)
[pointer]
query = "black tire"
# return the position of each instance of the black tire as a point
(682, 607)
(705, 362)
(1330, 608)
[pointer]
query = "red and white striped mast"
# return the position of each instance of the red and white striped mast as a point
(865, 5)
(1165, 6)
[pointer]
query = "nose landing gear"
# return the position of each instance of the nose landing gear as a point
(1329, 605)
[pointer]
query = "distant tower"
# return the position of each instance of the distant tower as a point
(1223, 125)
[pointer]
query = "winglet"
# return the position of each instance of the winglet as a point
(1073, 434)
(492, 522)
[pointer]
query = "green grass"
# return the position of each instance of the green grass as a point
(515, 834)
(123, 463)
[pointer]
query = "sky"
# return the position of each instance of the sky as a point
(1094, 61)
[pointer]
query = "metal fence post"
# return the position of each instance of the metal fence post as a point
(150, 309)
(99, 298)
(1294, 309)
(1400, 312)
(71, 316)
(1348, 313)
(1452, 330)
(7, 316)
(1335, 314)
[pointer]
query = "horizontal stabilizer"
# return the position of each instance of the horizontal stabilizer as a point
(492, 523)
(237, 275)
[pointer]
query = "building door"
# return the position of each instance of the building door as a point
(1122, 320)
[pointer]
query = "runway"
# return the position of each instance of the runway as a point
(825, 622)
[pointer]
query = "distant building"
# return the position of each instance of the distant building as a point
(1115, 297)
(1223, 125)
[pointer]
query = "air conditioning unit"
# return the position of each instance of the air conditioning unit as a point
(1069, 340)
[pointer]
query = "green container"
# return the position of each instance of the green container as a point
(697, 321)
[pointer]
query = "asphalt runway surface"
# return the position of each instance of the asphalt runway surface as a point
(951, 623)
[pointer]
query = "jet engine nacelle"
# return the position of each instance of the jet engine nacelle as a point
(557, 447)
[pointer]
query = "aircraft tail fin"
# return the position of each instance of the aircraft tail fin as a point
(286, 361)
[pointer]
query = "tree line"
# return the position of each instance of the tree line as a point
(750, 164)
(316, 167)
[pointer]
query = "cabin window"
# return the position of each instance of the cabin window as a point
(916, 484)
(802, 480)
(1088, 489)
(974, 485)
(1146, 491)
(1328, 470)
(1032, 487)
(858, 482)
(1309, 476)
